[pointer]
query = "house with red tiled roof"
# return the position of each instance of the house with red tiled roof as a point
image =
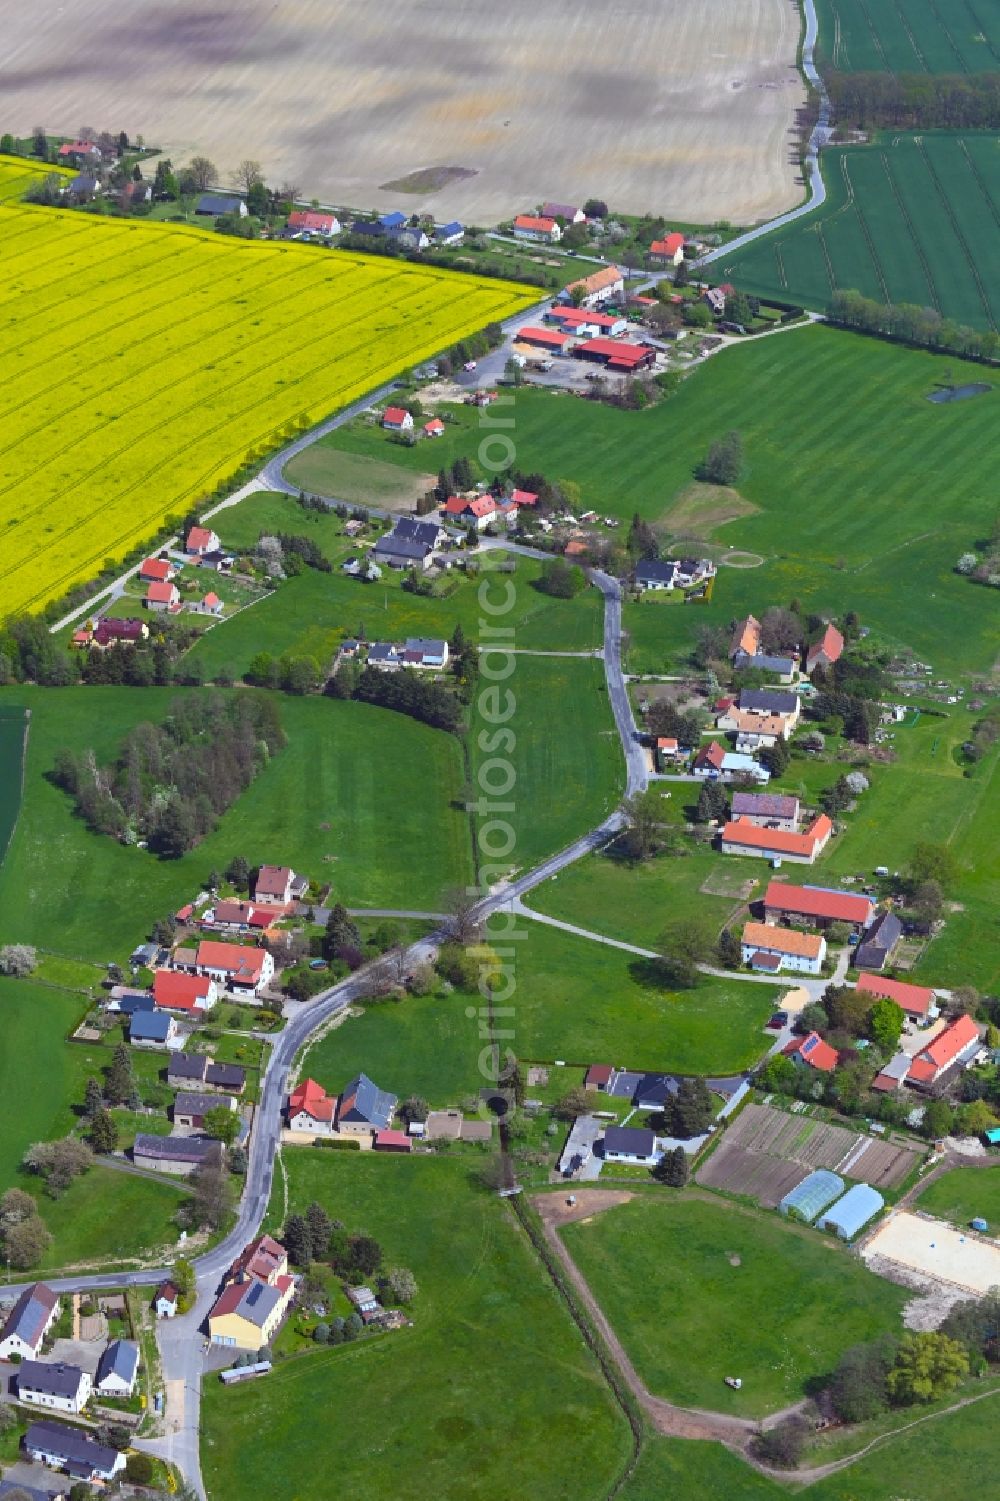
(434, 428)
(237, 967)
(163, 596)
(201, 539)
(263, 1260)
(175, 991)
(553, 340)
(956, 1045)
(812, 1052)
(397, 420)
(311, 1109)
(537, 227)
(314, 222)
(157, 570)
(247, 1315)
(238, 915)
(746, 637)
(523, 498)
(667, 252)
(277, 885)
(827, 650)
(210, 605)
(605, 285)
(708, 761)
(916, 1000)
(479, 511)
(741, 837)
(821, 905)
(391, 1141)
(793, 949)
(598, 1076)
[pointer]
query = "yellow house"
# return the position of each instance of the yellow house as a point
(247, 1314)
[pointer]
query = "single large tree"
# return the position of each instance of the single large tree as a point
(203, 172)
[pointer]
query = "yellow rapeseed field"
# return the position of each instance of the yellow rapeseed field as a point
(143, 363)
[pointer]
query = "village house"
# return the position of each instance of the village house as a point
(770, 810)
(452, 233)
(241, 970)
(878, 943)
(827, 650)
(936, 1063)
(654, 575)
(263, 1260)
(78, 152)
(211, 604)
(167, 1301)
(410, 544)
(766, 703)
(478, 511)
(64, 1448)
(43, 1383)
(746, 638)
(785, 669)
(631, 1144)
(163, 597)
(771, 949)
(586, 322)
(177, 1156)
(278, 886)
(667, 252)
(391, 1141)
(117, 1369)
(715, 299)
(363, 1108)
(740, 837)
(28, 1322)
(754, 731)
(708, 761)
(236, 917)
(915, 1001)
(417, 652)
(190, 1109)
(201, 540)
(85, 187)
(222, 203)
(113, 631)
(188, 1069)
(314, 222)
(738, 765)
(151, 1029)
(434, 428)
(174, 990)
(812, 1052)
(257, 1295)
(605, 285)
(157, 571)
(537, 227)
(397, 420)
(818, 905)
(567, 211)
(311, 1109)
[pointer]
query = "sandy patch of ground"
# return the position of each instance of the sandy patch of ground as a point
(687, 109)
(699, 509)
(935, 1249)
(555, 1209)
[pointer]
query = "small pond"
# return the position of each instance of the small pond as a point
(959, 393)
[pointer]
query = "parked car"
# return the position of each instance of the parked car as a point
(778, 1020)
(470, 365)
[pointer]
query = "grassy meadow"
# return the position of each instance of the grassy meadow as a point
(865, 492)
(490, 1389)
(740, 1288)
(963, 1194)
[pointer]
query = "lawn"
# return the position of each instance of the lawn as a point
(359, 797)
(695, 1471)
(580, 1001)
(111, 1217)
(634, 903)
(964, 1194)
(910, 218)
(425, 1045)
(311, 614)
(776, 1317)
(490, 1390)
(187, 353)
(866, 492)
(357, 478)
(567, 762)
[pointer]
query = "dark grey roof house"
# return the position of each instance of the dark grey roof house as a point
(762, 662)
(70, 1449)
(363, 1104)
(878, 942)
(116, 1370)
(413, 529)
(402, 551)
(653, 574)
(768, 701)
(653, 1091)
(629, 1144)
(48, 1378)
(765, 805)
(30, 1317)
(149, 1026)
(173, 1154)
(221, 203)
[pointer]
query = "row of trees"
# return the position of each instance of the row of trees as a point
(171, 782)
(914, 325)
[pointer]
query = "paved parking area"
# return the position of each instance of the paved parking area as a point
(82, 1352)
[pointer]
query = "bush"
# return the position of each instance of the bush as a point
(783, 1444)
(349, 1144)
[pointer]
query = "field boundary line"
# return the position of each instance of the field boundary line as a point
(831, 275)
(862, 221)
(914, 239)
(877, 40)
(959, 234)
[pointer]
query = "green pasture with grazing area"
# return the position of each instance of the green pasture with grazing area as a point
(359, 797)
(312, 614)
(742, 1289)
(876, 36)
(866, 492)
(423, 1045)
(587, 1003)
(490, 1390)
(695, 1471)
(566, 763)
(963, 1194)
(635, 903)
(909, 218)
(110, 1217)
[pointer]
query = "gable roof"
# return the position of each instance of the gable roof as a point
(559, 211)
(608, 276)
(763, 935)
(253, 1301)
(30, 1314)
(395, 415)
(712, 754)
(915, 999)
(162, 593)
(242, 963)
(167, 1292)
(812, 1050)
(946, 1047)
(746, 637)
(120, 1358)
(71, 1445)
(311, 1099)
(412, 529)
(363, 1102)
(817, 901)
(149, 1026)
(175, 991)
(884, 933)
(175, 1148)
(742, 831)
(219, 203)
(635, 1141)
(830, 645)
(765, 804)
(655, 571)
(261, 1259)
(669, 245)
(311, 219)
(537, 222)
(767, 701)
(190, 1102)
(53, 1377)
(156, 568)
(199, 536)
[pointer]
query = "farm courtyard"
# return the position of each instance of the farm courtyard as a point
(690, 109)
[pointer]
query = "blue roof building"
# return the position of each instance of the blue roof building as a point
(395, 220)
(116, 1370)
(150, 1027)
(363, 1105)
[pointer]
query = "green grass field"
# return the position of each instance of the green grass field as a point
(425, 1045)
(111, 1217)
(358, 479)
(963, 1194)
(567, 761)
(862, 36)
(696, 1472)
(866, 493)
(490, 1393)
(359, 797)
(927, 1463)
(911, 218)
(578, 1000)
(781, 1315)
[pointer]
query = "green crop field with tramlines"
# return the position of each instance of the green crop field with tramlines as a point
(925, 36)
(910, 218)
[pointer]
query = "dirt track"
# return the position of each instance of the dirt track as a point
(654, 104)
